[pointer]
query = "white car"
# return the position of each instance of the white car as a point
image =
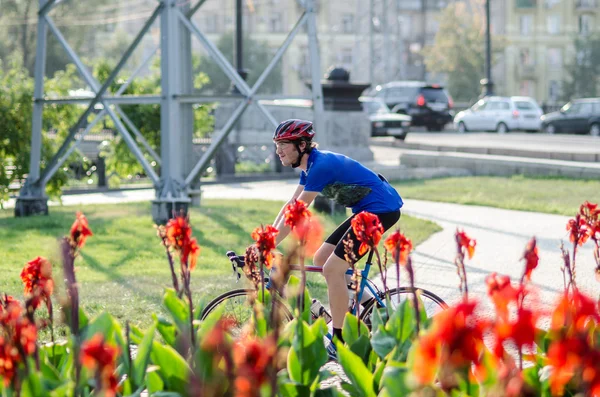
(500, 114)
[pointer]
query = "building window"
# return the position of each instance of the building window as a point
(275, 22)
(210, 24)
(527, 88)
(525, 3)
(553, 91)
(345, 57)
(405, 25)
(347, 23)
(585, 24)
(555, 58)
(551, 3)
(525, 57)
(526, 24)
(553, 24)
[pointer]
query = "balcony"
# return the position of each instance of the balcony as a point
(526, 3)
(586, 5)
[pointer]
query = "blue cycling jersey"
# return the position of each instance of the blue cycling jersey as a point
(349, 183)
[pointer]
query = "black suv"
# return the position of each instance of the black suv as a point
(429, 105)
(579, 116)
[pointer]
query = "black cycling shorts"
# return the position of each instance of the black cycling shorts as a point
(336, 238)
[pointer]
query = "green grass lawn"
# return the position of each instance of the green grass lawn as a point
(550, 195)
(123, 268)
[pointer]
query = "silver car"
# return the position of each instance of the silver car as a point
(500, 114)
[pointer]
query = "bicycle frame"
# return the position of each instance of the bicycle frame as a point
(364, 273)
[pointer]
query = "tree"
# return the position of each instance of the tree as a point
(79, 21)
(16, 109)
(257, 56)
(459, 49)
(582, 74)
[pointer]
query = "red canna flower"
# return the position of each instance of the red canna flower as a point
(574, 311)
(459, 336)
(502, 293)
(426, 361)
(578, 229)
(531, 258)
(399, 246)
(304, 226)
(80, 231)
(9, 358)
(37, 280)
(252, 358)
(465, 243)
(566, 357)
(265, 242)
(521, 330)
(295, 213)
(591, 213)
(25, 335)
(368, 230)
(216, 338)
(100, 356)
(178, 234)
(589, 210)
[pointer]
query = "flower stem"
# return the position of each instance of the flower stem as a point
(171, 266)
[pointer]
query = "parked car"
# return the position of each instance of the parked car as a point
(579, 116)
(383, 121)
(500, 114)
(428, 105)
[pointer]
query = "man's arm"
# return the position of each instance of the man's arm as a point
(279, 223)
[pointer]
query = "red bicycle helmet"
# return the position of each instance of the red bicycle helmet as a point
(294, 129)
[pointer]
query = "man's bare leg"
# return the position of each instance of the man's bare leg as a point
(334, 272)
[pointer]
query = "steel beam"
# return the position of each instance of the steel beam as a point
(45, 9)
(38, 91)
(216, 142)
(216, 55)
(99, 94)
(116, 100)
(32, 197)
(315, 71)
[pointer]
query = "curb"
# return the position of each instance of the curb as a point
(485, 164)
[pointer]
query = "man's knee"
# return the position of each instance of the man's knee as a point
(334, 267)
(322, 254)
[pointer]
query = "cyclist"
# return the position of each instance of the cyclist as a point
(347, 181)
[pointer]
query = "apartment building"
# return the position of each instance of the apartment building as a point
(391, 52)
(540, 36)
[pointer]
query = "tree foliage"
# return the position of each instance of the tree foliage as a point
(459, 49)
(16, 113)
(146, 118)
(256, 57)
(582, 73)
(79, 21)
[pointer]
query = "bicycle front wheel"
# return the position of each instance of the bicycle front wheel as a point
(432, 303)
(237, 307)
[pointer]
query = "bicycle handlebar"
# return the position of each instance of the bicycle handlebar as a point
(237, 262)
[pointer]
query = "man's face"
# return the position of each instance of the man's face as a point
(287, 152)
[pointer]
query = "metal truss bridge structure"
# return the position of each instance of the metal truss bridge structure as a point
(178, 176)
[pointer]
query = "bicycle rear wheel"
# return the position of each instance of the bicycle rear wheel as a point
(236, 304)
(432, 303)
